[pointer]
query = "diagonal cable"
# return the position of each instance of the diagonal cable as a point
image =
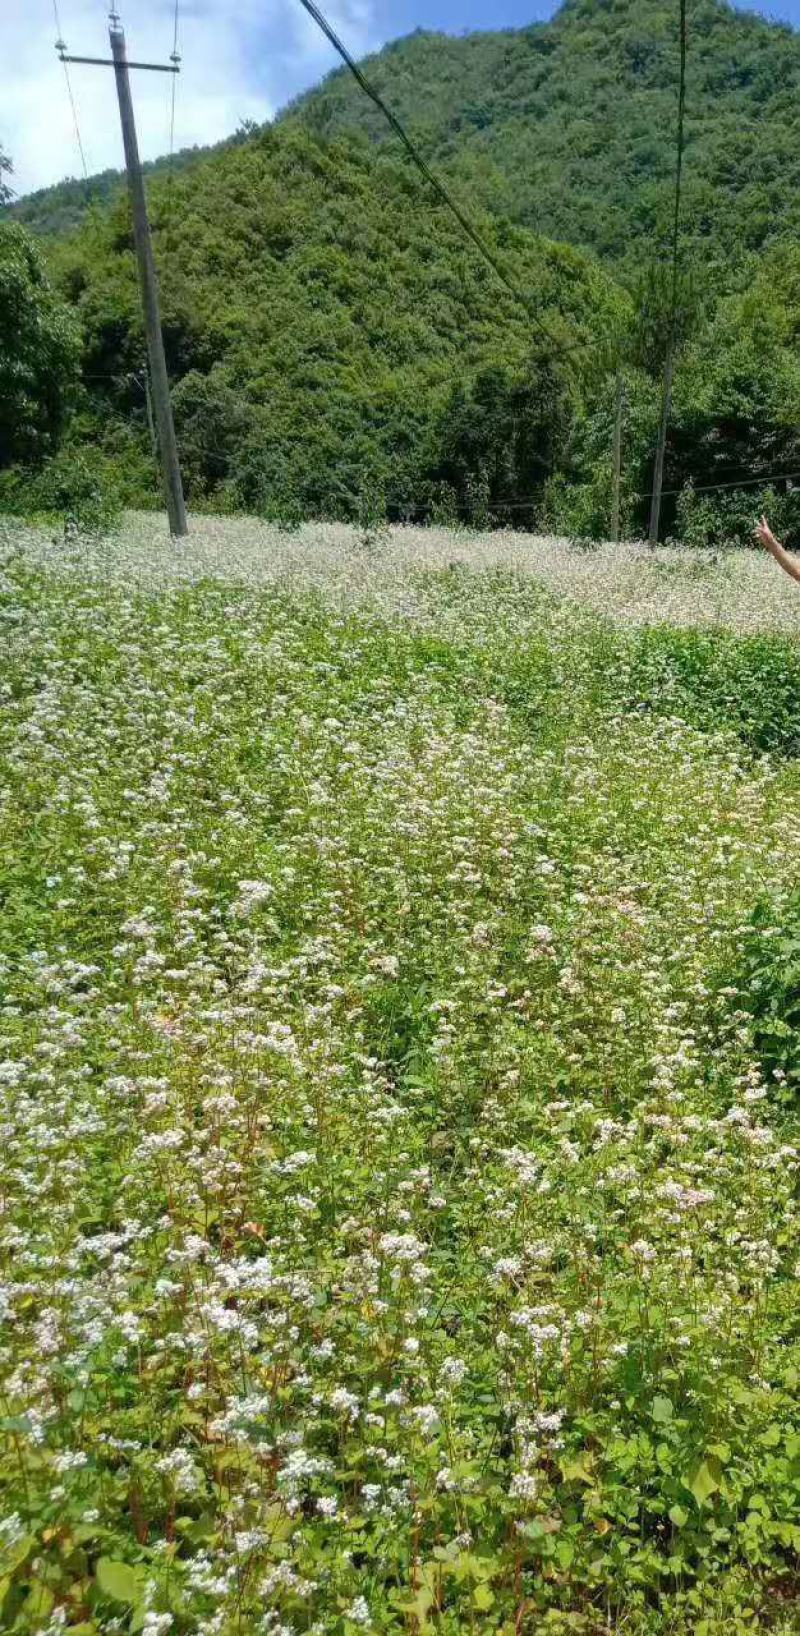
(442, 193)
(60, 48)
(175, 60)
(680, 146)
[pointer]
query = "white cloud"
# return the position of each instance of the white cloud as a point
(239, 62)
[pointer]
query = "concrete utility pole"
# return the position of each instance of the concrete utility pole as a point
(658, 470)
(619, 408)
(148, 283)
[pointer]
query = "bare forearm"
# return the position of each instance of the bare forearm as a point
(790, 564)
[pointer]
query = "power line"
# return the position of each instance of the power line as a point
(175, 60)
(738, 483)
(698, 488)
(61, 48)
(680, 144)
(442, 193)
(672, 336)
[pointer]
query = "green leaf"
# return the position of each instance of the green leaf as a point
(420, 1605)
(19, 1553)
(678, 1516)
(578, 1470)
(662, 1410)
(483, 1598)
(118, 1580)
(40, 1600)
(721, 1450)
(705, 1481)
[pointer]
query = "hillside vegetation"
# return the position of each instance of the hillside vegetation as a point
(336, 344)
(62, 207)
(338, 349)
(569, 126)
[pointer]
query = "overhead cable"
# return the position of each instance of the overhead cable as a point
(175, 60)
(442, 193)
(61, 48)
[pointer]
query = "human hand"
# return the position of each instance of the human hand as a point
(765, 535)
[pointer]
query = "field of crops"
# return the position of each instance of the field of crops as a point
(399, 1066)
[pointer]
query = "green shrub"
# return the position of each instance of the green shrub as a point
(769, 986)
(73, 487)
(443, 511)
(715, 680)
(39, 350)
(580, 510)
(727, 516)
(371, 515)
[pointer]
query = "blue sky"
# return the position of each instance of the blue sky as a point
(241, 59)
(450, 15)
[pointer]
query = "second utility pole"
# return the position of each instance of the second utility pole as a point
(148, 283)
(619, 410)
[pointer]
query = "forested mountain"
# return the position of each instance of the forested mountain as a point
(337, 347)
(335, 343)
(62, 207)
(569, 126)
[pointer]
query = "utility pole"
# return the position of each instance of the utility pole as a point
(675, 334)
(615, 500)
(148, 282)
(658, 469)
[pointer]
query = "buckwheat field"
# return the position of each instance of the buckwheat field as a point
(399, 1066)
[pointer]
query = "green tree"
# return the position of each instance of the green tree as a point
(39, 352)
(330, 336)
(499, 439)
(320, 309)
(6, 192)
(667, 306)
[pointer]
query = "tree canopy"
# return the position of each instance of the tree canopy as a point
(39, 351)
(569, 126)
(327, 324)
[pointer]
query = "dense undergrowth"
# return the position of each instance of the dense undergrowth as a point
(399, 1221)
